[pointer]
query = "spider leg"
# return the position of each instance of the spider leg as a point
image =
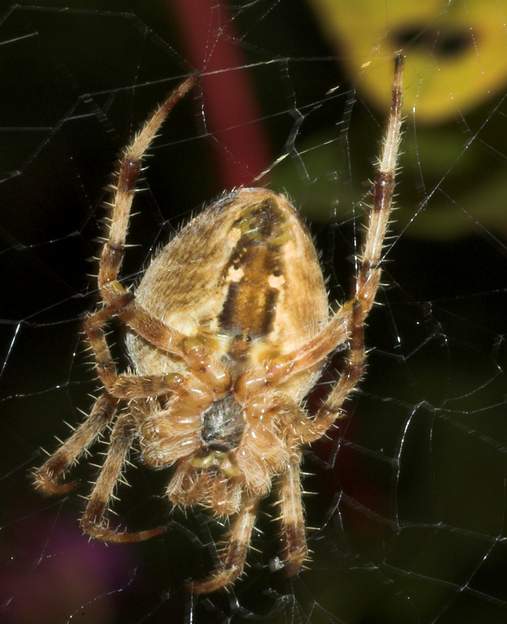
(294, 548)
(193, 350)
(127, 386)
(345, 321)
(330, 410)
(369, 270)
(234, 556)
(93, 521)
(47, 477)
(94, 329)
(313, 352)
(368, 276)
(125, 187)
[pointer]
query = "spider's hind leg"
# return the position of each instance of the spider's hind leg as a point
(291, 518)
(235, 551)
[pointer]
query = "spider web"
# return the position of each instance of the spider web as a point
(410, 491)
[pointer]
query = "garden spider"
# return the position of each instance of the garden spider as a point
(228, 331)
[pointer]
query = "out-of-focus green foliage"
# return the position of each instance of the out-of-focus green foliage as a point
(430, 213)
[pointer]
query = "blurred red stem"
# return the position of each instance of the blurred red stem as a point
(231, 110)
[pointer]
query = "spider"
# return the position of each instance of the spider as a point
(228, 331)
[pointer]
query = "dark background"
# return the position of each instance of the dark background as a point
(410, 492)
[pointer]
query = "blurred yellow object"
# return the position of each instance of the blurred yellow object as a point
(456, 51)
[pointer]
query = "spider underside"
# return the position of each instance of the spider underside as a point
(228, 331)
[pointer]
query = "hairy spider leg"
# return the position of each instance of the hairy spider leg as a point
(193, 350)
(116, 299)
(291, 518)
(47, 477)
(234, 553)
(348, 321)
(369, 269)
(127, 387)
(113, 250)
(93, 521)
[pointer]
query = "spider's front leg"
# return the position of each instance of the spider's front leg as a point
(348, 322)
(124, 190)
(233, 558)
(192, 350)
(369, 269)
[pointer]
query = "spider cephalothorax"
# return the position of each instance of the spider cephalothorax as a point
(228, 331)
